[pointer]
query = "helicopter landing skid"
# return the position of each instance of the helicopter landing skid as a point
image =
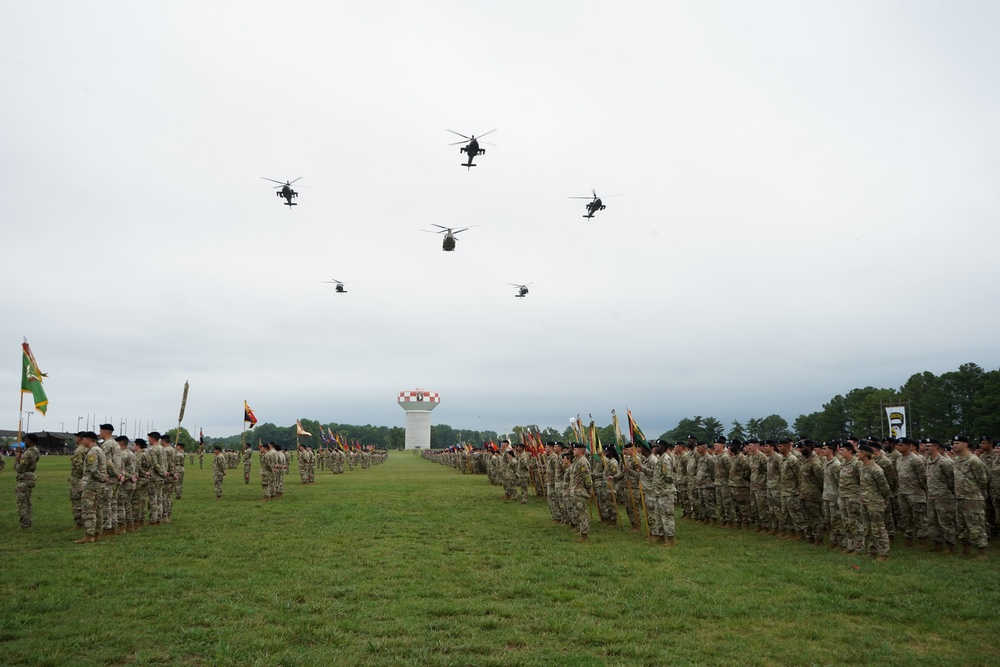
(291, 203)
(469, 165)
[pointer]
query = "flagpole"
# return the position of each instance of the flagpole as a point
(20, 412)
(244, 425)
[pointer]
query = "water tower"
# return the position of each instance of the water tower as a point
(418, 404)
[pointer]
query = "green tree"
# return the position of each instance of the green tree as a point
(737, 432)
(773, 427)
(190, 444)
(808, 426)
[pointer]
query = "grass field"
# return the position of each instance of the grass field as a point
(412, 563)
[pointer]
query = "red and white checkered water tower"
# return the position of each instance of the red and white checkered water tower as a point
(418, 404)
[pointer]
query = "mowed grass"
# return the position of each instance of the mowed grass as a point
(412, 563)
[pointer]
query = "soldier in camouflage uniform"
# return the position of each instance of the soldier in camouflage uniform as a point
(988, 455)
(664, 490)
(691, 472)
(875, 494)
(521, 463)
(849, 499)
(158, 468)
(971, 486)
(723, 493)
(130, 476)
(776, 518)
(889, 469)
(113, 460)
(759, 509)
(144, 470)
(218, 471)
(791, 505)
(704, 480)
(169, 455)
(25, 466)
(76, 481)
(941, 504)
(95, 474)
(266, 471)
(649, 460)
(739, 485)
(911, 472)
(582, 485)
(179, 471)
(834, 522)
(630, 478)
(811, 493)
(508, 475)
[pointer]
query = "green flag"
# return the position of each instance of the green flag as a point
(31, 379)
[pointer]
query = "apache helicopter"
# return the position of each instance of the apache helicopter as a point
(286, 190)
(340, 285)
(522, 290)
(594, 205)
(471, 147)
(449, 235)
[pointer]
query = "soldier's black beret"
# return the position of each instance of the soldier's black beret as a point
(121, 438)
(579, 445)
(89, 434)
(985, 438)
(153, 434)
(866, 448)
(753, 441)
(960, 438)
(720, 440)
(106, 427)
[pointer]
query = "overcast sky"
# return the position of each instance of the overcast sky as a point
(810, 204)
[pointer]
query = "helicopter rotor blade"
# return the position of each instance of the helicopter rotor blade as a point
(485, 133)
(431, 231)
(579, 197)
(297, 179)
(459, 134)
(272, 180)
(434, 224)
(459, 142)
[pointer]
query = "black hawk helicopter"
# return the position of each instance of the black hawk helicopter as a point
(471, 147)
(449, 235)
(594, 205)
(286, 190)
(522, 290)
(340, 285)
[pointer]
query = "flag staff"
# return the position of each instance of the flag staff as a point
(243, 448)
(180, 417)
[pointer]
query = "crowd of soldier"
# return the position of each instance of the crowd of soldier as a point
(850, 496)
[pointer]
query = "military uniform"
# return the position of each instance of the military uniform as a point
(739, 489)
(912, 476)
(941, 504)
(723, 493)
(811, 497)
(95, 474)
(582, 485)
(126, 491)
(791, 505)
(971, 485)
(849, 502)
(25, 484)
(218, 472)
(831, 499)
(76, 484)
(664, 476)
(875, 494)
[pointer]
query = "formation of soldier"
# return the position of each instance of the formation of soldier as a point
(852, 496)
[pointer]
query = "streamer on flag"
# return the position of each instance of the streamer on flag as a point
(299, 430)
(634, 431)
(184, 402)
(31, 379)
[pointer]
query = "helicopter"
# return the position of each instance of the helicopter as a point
(594, 205)
(340, 285)
(471, 147)
(449, 235)
(286, 190)
(522, 290)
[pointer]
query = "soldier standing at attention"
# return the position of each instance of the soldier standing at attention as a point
(25, 466)
(553, 450)
(988, 456)
(75, 480)
(159, 472)
(875, 493)
(739, 486)
(811, 493)
(664, 479)
(179, 471)
(582, 486)
(849, 499)
(144, 470)
(266, 466)
(911, 472)
(170, 465)
(723, 495)
(971, 480)
(201, 457)
(773, 485)
(521, 472)
(940, 498)
(791, 505)
(95, 474)
(113, 459)
(127, 489)
(831, 496)
(247, 462)
(218, 471)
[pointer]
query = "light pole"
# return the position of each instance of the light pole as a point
(78, 423)
(27, 424)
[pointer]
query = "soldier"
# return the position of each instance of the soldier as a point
(169, 456)
(941, 520)
(201, 456)
(831, 496)
(875, 494)
(266, 470)
(521, 472)
(988, 455)
(303, 467)
(95, 474)
(889, 468)
(723, 494)
(247, 462)
(582, 485)
(664, 489)
(218, 471)
(157, 478)
(612, 471)
(759, 508)
(144, 470)
(776, 520)
(552, 457)
(691, 473)
(811, 492)
(179, 470)
(791, 505)
(705, 483)
(739, 485)
(75, 480)
(280, 469)
(109, 498)
(25, 466)
(971, 485)
(911, 473)
(849, 499)
(649, 460)
(126, 490)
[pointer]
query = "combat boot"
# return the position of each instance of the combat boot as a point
(881, 559)
(584, 537)
(936, 547)
(669, 542)
(966, 550)
(981, 555)
(949, 549)
(85, 540)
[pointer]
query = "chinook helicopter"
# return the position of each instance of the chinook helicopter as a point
(340, 285)
(471, 147)
(286, 190)
(594, 205)
(449, 235)
(522, 290)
